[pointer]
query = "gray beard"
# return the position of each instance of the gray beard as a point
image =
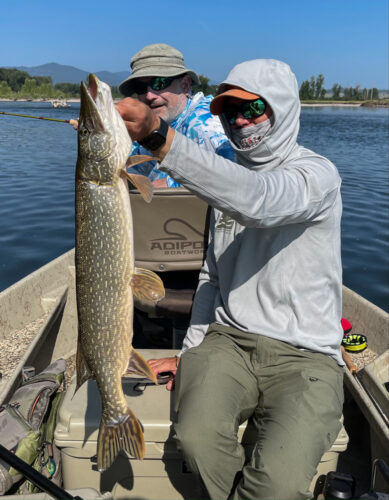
(248, 137)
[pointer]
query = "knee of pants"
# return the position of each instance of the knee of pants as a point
(295, 487)
(272, 486)
(193, 440)
(199, 436)
(271, 478)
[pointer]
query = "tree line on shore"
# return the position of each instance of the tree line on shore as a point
(313, 89)
(16, 84)
(310, 90)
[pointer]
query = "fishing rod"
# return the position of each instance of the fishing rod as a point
(34, 476)
(72, 122)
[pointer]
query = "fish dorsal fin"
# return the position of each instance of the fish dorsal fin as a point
(142, 184)
(138, 366)
(137, 159)
(82, 369)
(147, 286)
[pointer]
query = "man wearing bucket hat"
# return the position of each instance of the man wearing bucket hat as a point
(264, 340)
(160, 79)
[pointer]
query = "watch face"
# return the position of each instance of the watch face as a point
(156, 138)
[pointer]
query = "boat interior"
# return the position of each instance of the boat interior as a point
(172, 243)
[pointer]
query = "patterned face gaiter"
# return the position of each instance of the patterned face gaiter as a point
(248, 137)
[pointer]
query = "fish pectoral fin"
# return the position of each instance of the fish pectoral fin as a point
(137, 159)
(142, 184)
(139, 366)
(124, 434)
(147, 286)
(82, 369)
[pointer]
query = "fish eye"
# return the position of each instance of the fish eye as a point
(84, 132)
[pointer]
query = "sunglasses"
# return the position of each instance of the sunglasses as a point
(155, 83)
(248, 109)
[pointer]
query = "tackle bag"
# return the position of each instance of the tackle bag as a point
(27, 424)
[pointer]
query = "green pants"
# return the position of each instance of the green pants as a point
(293, 402)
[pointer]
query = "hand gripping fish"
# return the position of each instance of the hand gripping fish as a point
(106, 278)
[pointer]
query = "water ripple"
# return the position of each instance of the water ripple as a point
(37, 165)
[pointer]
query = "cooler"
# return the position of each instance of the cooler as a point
(163, 472)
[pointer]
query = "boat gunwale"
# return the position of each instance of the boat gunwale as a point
(9, 386)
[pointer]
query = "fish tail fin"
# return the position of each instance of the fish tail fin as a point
(126, 434)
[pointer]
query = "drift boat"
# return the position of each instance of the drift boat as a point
(43, 304)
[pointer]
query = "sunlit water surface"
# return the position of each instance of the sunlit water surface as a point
(37, 166)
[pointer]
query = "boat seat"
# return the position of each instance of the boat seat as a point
(171, 232)
(175, 304)
(170, 238)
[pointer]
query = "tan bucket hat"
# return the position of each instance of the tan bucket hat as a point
(158, 59)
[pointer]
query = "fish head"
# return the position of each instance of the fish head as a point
(103, 140)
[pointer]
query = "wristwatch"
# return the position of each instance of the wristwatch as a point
(157, 137)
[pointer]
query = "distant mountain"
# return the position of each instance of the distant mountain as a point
(69, 74)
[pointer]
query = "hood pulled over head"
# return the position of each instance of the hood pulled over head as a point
(275, 82)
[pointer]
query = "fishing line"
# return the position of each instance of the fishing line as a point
(38, 117)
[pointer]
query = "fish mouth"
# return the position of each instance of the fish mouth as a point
(93, 86)
(89, 112)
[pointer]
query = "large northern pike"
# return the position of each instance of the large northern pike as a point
(105, 274)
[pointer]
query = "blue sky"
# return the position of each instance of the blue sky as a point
(346, 41)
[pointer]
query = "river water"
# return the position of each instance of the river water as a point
(37, 164)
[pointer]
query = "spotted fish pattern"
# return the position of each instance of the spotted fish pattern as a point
(105, 270)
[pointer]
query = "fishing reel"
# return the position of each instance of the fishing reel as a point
(354, 342)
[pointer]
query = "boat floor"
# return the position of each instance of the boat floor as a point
(12, 352)
(157, 335)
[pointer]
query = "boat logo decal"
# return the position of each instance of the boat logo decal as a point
(177, 243)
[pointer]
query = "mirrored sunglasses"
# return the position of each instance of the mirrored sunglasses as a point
(155, 83)
(248, 109)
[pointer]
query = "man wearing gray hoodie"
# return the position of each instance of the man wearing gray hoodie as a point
(264, 339)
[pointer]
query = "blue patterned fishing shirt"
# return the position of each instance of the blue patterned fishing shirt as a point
(197, 123)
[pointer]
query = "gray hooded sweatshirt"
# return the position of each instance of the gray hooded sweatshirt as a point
(273, 265)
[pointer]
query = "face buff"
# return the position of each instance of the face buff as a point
(248, 137)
